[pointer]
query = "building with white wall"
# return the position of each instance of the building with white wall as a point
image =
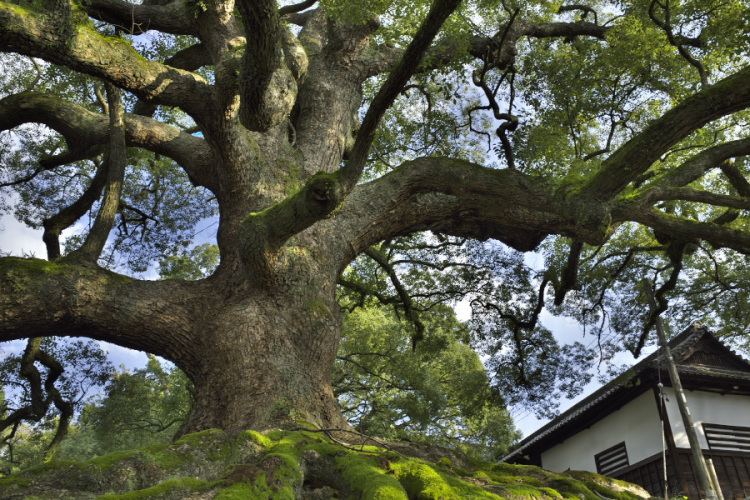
(626, 428)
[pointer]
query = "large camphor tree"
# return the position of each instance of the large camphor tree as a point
(611, 132)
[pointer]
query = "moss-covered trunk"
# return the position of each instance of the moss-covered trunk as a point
(265, 361)
(302, 464)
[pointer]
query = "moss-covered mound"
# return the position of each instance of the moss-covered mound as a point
(294, 465)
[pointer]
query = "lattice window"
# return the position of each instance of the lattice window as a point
(612, 459)
(727, 437)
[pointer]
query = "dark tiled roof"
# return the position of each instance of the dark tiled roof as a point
(679, 345)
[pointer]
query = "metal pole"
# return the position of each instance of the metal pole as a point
(701, 469)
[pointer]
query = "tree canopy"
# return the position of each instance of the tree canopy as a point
(609, 136)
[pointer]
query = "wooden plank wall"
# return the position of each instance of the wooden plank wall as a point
(733, 469)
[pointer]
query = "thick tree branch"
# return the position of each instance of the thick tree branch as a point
(637, 155)
(694, 195)
(688, 230)
(463, 199)
(736, 178)
(190, 59)
(570, 272)
(263, 234)
(268, 89)
(42, 298)
(70, 156)
(80, 48)
(115, 161)
(695, 167)
(392, 87)
(85, 129)
(299, 7)
(172, 17)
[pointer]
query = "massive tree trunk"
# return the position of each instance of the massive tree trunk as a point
(270, 366)
(282, 150)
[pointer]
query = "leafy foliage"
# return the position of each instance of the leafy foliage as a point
(26, 442)
(198, 262)
(139, 408)
(438, 393)
(526, 363)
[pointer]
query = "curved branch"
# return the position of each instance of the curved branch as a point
(679, 43)
(413, 55)
(42, 394)
(585, 9)
(73, 155)
(190, 59)
(406, 299)
(695, 195)
(463, 199)
(701, 163)
(41, 298)
(459, 198)
(689, 230)
(115, 160)
(262, 234)
(735, 177)
(85, 129)
(364, 292)
(499, 50)
(299, 7)
(70, 214)
(570, 272)
(637, 155)
(82, 49)
(658, 302)
(516, 325)
(172, 17)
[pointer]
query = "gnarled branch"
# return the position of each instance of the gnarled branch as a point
(135, 19)
(29, 32)
(115, 161)
(636, 156)
(86, 129)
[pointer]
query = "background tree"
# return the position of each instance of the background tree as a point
(136, 409)
(615, 134)
(439, 393)
(144, 407)
(42, 389)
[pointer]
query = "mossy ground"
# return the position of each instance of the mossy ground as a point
(298, 464)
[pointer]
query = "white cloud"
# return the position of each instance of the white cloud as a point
(20, 240)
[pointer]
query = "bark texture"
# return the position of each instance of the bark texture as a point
(282, 150)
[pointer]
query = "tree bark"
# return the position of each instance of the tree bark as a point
(281, 150)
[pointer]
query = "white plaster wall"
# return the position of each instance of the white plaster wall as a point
(637, 423)
(708, 407)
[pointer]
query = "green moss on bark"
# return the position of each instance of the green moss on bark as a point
(290, 464)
